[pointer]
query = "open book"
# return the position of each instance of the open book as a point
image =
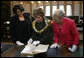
(31, 49)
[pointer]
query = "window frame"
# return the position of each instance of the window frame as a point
(45, 9)
(71, 10)
(63, 6)
(52, 8)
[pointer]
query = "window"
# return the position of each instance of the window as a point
(54, 7)
(61, 7)
(68, 10)
(41, 6)
(47, 10)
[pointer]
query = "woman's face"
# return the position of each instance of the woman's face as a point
(19, 12)
(39, 19)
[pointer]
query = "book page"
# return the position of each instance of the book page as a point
(31, 49)
(41, 48)
(28, 49)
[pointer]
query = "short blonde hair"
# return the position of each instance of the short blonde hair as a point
(38, 11)
(59, 13)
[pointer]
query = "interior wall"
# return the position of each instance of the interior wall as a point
(26, 6)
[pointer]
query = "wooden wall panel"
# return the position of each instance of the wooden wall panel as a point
(80, 8)
(72, 8)
(65, 7)
(44, 7)
(50, 8)
(30, 9)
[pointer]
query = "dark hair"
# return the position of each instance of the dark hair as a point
(38, 11)
(17, 7)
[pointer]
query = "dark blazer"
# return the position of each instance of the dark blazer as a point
(20, 30)
(46, 37)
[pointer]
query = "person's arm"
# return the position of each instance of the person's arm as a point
(51, 29)
(32, 33)
(75, 33)
(55, 38)
(12, 29)
(33, 39)
(51, 33)
(55, 35)
(33, 36)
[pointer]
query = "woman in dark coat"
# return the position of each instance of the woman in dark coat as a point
(42, 28)
(20, 26)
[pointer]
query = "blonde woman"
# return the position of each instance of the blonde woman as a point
(42, 28)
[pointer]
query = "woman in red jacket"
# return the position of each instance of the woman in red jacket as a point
(65, 31)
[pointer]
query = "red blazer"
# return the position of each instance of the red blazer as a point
(69, 33)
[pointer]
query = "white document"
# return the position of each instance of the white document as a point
(28, 49)
(41, 48)
(31, 49)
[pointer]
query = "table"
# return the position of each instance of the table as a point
(15, 51)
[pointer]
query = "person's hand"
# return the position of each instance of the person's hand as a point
(30, 41)
(36, 43)
(19, 43)
(54, 45)
(73, 49)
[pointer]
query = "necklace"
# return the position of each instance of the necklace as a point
(40, 31)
